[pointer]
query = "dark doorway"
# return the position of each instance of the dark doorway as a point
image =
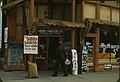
(53, 44)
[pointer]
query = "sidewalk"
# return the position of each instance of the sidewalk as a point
(45, 76)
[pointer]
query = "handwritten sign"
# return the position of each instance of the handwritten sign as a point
(30, 44)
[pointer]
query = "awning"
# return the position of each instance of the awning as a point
(102, 22)
(52, 22)
(90, 21)
(8, 5)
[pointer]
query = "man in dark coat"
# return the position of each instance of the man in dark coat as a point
(59, 58)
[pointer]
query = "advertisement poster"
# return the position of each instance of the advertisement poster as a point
(15, 54)
(30, 44)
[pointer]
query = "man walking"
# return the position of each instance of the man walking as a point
(59, 59)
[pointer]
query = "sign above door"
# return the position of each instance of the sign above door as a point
(50, 32)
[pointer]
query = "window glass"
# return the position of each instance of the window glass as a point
(67, 39)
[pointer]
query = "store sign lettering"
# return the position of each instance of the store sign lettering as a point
(50, 31)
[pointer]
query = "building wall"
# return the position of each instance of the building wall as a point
(104, 13)
(41, 10)
(57, 12)
(89, 10)
(78, 12)
(68, 13)
(109, 10)
(115, 15)
(19, 23)
(111, 3)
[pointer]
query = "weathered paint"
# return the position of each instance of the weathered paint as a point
(89, 11)
(105, 13)
(115, 15)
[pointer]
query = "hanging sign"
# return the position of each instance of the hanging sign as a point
(30, 44)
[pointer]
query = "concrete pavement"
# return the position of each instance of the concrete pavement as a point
(45, 76)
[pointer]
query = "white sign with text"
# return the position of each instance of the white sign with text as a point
(30, 44)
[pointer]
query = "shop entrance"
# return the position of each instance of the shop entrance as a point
(53, 44)
(46, 48)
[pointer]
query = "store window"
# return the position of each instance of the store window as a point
(87, 55)
(108, 48)
(15, 55)
(67, 39)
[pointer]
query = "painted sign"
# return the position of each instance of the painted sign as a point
(74, 62)
(15, 54)
(50, 31)
(107, 67)
(30, 44)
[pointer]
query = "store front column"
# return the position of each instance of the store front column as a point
(31, 16)
(97, 41)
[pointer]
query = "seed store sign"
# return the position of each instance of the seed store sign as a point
(30, 44)
(50, 32)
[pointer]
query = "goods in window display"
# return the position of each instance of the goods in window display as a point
(106, 55)
(84, 58)
(107, 58)
(87, 57)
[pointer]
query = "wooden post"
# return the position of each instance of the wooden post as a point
(73, 11)
(73, 20)
(82, 11)
(97, 16)
(31, 16)
(97, 40)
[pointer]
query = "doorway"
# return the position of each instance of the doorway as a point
(53, 44)
(47, 47)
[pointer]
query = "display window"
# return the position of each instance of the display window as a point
(107, 57)
(15, 54)
(87, 57)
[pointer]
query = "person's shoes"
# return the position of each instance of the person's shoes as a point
(65, 75)
(54, 75)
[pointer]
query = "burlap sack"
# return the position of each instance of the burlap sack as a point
(33, 72)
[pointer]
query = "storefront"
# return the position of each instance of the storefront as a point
(49, 33)
(101, 46)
